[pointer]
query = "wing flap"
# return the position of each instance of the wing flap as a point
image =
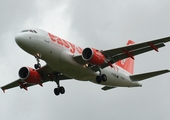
(144, 76)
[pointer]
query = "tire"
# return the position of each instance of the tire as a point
(62, 90)
(39, 65)
(56, 91)
(98, 79)
(36, 66)
(104, 78)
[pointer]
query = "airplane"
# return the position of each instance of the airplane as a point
(64, 60)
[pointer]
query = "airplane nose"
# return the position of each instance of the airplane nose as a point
(18, 38)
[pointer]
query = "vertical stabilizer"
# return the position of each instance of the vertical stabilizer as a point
(128, 63)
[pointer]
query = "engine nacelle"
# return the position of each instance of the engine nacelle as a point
(29, 75)
(93, 56)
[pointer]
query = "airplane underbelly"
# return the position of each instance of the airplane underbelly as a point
(69, 67)
(52, 57)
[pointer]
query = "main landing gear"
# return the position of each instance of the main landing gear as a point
(38, 65)
(59, 89)
(101, 77)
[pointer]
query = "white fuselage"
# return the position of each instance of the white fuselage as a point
(59, 56)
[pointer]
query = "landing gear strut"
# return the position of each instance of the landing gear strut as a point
(59, 89)
(101, 77)
(38, 65)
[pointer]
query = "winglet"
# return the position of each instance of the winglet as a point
(130, 42)
(3, 90)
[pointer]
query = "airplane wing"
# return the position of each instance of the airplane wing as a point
(45, 73)
(114, 55)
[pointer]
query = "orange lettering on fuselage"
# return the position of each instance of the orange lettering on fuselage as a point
(79, 50)
(59, 41)
(72, 50)
(65, 43)
(52, 37)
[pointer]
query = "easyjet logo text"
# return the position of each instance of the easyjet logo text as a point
(73, 48)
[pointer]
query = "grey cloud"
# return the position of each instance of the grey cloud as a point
(116, 21)
(100, 24)
(15, 13)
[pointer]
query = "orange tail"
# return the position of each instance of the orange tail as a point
(128, 63)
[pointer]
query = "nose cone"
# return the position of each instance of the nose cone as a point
(24, 41)
(19, 38)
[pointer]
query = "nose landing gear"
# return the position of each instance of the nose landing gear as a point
(38, 65)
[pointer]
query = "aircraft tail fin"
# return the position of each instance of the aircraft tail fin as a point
(144, 76)
(128, 63)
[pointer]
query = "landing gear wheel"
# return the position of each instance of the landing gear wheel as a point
(104, 78)
(59, 90)
(98, 79)
(56, 91)
(62, 90)
(37, 66)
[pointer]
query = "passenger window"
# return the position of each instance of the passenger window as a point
(34, 31)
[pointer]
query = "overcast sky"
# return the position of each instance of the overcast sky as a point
(94, 23)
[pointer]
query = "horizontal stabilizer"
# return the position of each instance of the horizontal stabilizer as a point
(107, 87)
(144, 76)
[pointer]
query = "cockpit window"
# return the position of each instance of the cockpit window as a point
(24, 31)
(33, 31)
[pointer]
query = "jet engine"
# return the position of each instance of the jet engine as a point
(29, 75)
(93, 56)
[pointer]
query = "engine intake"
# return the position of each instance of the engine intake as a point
(93, 56)
(29, 75)
(23, 73)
